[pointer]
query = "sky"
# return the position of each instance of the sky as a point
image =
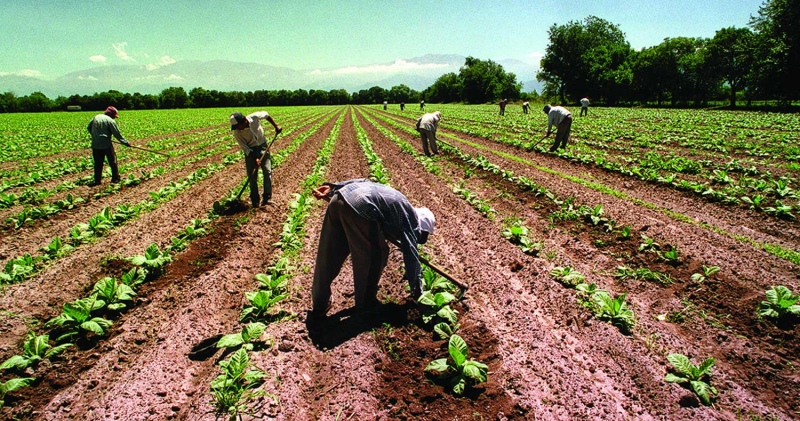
(50, 38)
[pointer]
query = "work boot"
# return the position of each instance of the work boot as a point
(265, 200)
(115, 180)
(93, 184)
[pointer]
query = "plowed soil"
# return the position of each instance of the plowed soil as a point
(549, 357)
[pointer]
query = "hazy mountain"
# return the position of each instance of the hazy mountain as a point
(418, 73)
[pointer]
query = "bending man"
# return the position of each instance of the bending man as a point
(250, 136)
(102, 127)
(426, 126)
(361, 216)
(562, 119)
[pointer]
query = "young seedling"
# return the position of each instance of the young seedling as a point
(34, 349)
(153, 259)
(460, 372)
(649, 244)
(567, 276)
(614, 310)
(708, 271)
(76, 317)
(780, 303)
(694, 376)
(12, 385)
(232, 391)
(437, 306)
(249, 338)
(117, 295)
(259, 305)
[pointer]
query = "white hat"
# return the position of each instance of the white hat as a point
(426, 219)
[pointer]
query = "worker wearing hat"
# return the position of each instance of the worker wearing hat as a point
(249, 135)
(361, 216)
(562, 119)
(102, 128)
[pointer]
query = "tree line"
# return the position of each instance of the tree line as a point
(592, 58)
(589, 58)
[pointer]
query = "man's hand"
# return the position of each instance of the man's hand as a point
(278, 130)
(322, 193)
(125, 142)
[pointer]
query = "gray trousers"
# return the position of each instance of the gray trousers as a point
(428, 136)
(562, 133)
(344, 232)
(266, 170)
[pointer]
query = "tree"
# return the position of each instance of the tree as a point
(174, 97)
(35, 102)
(778, 57)
(447, 88)
(486, 81)
(586, 58)
(201, 98)
(8, 103)
(399, 93)
(729, 55)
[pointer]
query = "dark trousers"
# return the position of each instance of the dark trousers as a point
(428, 137)
(562, 133)
(344, 232)
(584, 111)
(101, 155)
(266, 170)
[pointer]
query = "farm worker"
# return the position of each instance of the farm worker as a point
(422, 105)
(525, 106)
(249, 135)
(426, 126)
(102, 127)
(402, 106)
(361, 216)
(502, 104)
(385, 105)
(584, 107)
(562, 119)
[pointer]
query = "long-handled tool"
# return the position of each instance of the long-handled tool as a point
(255, 170)
(463, 285)
(539, 141)
(144, 149)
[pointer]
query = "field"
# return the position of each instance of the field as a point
(656, 233)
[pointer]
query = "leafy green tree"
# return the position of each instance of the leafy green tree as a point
(8, 102)
(201, 98)
(174, 97)
(399, 93)
(447, 88)
(35, 102)
(587, 58)
(486, 81)
(778, 57)
(729, 55)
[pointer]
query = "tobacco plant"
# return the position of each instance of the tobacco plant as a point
(434, 283)
(232, 391)
(708, 271)
(693, 375)
(259, 305)
(56, 249)
(116, 295)
(518, 234)
(249, 338)
(780, 303)
(34, 349)
(76, 318)
(614, 310)
(567, 276)
(437, 307)
(460, 372)
(152, 259)
(12, 385)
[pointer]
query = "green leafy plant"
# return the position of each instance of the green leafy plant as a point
(780, 302)
(259, 305)
(434, 283)
(249, 338)
(649, 244)
(708, 271)
(672, 255)
(76, 318)
(567, 275)
(460, 372)
(614, 310)
(444, 329)
(694, 376)
(152, 259)
(116, 294)
(57, 249)
(437, 306)
(134, 277)
(625, 232)
(34, 349)
(274, 282)
(232, 391)
(643, 274)
(12, 385)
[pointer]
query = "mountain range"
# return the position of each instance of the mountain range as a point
(418, 73)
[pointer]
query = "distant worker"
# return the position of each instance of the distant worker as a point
(385, 105)
(402, 106)
(102, 127)
(250, 136)
(361, 216)
(426, 126)
(525, 107)
(562, 119)
(422, 105)
(502, 104)
(584, 107)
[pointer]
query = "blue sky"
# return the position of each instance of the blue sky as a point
(50, 38)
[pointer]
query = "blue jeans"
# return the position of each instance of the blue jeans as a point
(266, 169)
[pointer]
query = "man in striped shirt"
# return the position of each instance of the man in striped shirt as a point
(361, 216)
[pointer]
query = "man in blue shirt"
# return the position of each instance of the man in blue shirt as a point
(361, 216)
(102, 128)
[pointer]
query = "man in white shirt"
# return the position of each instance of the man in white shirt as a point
(426, 126)
(249, 135)
(584, 107)
(562, 119)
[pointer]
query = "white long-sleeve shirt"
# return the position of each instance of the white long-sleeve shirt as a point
(556, 116)
(430, 121)
(253, 135)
